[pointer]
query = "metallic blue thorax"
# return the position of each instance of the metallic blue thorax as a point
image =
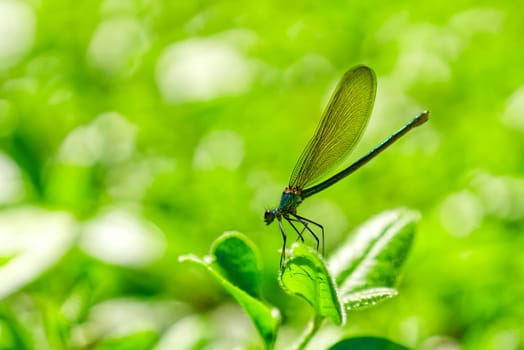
(290, 200)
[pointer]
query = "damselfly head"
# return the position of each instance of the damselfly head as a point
(269, 216)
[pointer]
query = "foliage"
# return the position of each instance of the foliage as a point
(134, 132)
(233, 263)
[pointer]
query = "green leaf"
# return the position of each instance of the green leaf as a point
(234, 263)
(14, 334)
(375, 253)
(56, 325)
(38, 239)
(367, 343)
(304, 274)
(368, 297)
(140, 340)
(238, 261)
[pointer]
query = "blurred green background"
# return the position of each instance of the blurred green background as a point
(132, 132)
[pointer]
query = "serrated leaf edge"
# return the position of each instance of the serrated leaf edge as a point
(364, 298)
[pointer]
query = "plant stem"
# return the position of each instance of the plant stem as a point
(310, 331)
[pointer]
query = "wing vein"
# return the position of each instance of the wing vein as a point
(340, 128)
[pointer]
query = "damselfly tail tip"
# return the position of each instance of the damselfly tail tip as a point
(421, 118)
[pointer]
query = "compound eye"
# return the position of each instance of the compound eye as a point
(269, 216)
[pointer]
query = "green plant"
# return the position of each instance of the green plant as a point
(362, 273)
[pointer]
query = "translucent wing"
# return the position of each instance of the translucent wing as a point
(342, 124)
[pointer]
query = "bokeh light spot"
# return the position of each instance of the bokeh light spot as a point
(17, 31)
(513, 115)
(109, 139)
(461, 213)
(221, 148)
(202, 69)
(117, 46)
(502, 196)
(121, 238)
(11, 183)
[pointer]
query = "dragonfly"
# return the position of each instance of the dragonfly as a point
(341, 126)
